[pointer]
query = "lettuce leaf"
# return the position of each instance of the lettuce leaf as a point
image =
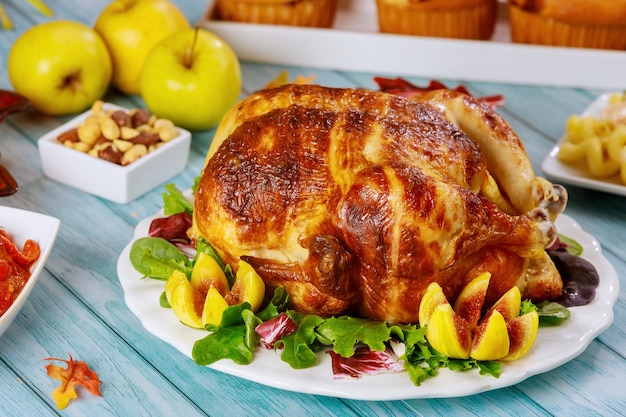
(344, 332)
(174, 201)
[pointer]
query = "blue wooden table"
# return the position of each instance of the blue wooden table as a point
(78, 307)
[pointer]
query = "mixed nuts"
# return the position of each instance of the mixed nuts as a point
(119, 136)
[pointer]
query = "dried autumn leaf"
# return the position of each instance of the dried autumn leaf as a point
(302, 79)
(402, 87)
(283, 78)
(76, 373)
(6, 23)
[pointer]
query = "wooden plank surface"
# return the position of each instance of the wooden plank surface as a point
(78, 305)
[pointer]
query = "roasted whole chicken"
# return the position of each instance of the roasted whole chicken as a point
(356, 200)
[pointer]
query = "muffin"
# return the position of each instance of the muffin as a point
(465, 19)
(576, 23)
(311, 13)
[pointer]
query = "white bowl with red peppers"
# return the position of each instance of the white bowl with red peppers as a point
(115, 153)
(26, 241)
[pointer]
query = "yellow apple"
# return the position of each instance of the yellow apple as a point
(130, 28)
(192, 78)
(62, 67)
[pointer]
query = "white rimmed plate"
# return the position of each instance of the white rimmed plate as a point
(554, 346)
(578, 174)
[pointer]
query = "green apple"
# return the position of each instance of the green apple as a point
(192, 78)
(62, 67)
(130, 28)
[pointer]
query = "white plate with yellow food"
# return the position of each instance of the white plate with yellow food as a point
(553, 346)
(596, 159)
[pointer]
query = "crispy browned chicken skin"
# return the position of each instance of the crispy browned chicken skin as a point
(356, 200)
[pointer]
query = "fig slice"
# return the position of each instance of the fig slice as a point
(214, 306)
(186, 302)
(248, 287)
(448, 333)
(433, 297)
(207, 273)
(522, 333)
(509, 304)
(491, 338)
(470, 302)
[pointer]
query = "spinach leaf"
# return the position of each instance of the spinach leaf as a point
(552, 314)
(233, 339)
(251, 338)
(298, 346)
(163, 301)
(226, 343)
(156, 258)
(277, 304)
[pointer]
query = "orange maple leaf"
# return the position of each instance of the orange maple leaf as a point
(76, 373)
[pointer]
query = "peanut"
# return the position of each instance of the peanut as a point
(89, 133)
(82, 146)
(162, 124)
(128, 133)
(94, 118)
(96, 107)
(110, 129)
(134, 153)
(118, 136)
(122, 145)
(168, 134)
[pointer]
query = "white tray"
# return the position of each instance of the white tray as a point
(354, 44)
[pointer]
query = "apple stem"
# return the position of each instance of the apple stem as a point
(188, 61)
(127, 4)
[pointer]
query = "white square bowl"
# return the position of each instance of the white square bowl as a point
(23, 225)
(105, 179)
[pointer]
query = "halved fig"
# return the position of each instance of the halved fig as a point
(214, 306)
(509, 304)
(491, 338)
(470, 302)
(522, 334)
(448, 333)
(433, 297)
(186, 302)
(248, 287)
(207, 273)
